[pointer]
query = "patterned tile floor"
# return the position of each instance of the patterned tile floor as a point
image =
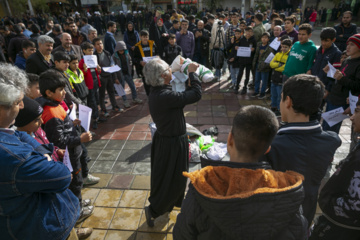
(120, 155)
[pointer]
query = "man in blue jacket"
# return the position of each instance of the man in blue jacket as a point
(35, 202)
(109, 39)
(300, 144)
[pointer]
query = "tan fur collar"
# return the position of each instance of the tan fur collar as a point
(229, 183)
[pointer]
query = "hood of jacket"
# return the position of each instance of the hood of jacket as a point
(241, 201)
(47, 102)
(120, 45)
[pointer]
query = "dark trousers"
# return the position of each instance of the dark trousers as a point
(84, 159)
(93, 100)
(167, 182)
(240, 75)
(146, 86)
(77, 181)
(108, 85)
(326, 230)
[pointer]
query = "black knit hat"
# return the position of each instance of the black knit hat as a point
(29, 113)
(355, 39)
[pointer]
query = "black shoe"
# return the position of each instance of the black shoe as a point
(255, 94)
(95, 125)
(262, 96)
(101, 120)
(243, 91)
(149, 219)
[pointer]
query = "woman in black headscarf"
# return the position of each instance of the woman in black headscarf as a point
(159, 34)
(131, 37)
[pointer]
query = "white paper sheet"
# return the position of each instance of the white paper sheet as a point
(334, 116)
(244, 52)
(90, 61)
(147, 59)
(352, 100)
(275, 44)
(181, 76)
(85, 116)
(112, 69)
(331, 71)
(269, 58)
(119, 89)
(66, 160)
(72, 113)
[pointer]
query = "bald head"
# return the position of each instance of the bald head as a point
(66, 40)
(277, 30)
(200, 25)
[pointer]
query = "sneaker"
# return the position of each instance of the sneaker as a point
(90, 180)
(85, 212)
(261, 96)
(101, 120)
(255, 94)
(86, 202)
(243, 91)
(106, 114)
(95, 125)
(126, 104)
(83, 233)
(149, 220)
(118, 109)
(137, 101)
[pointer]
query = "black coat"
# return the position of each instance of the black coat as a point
(36, 63)
(155, 34)
(307, 149)
(203, 47)
(171, 52)
(346, 32)
(206, 215)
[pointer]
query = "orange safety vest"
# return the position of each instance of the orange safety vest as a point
(151, 43)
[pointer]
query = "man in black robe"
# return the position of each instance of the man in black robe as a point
(170, 146)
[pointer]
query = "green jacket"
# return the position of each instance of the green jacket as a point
(262, 66)
(78, 84)
(301, 58)
(258, 31)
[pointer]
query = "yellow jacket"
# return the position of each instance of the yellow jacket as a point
(278, 62)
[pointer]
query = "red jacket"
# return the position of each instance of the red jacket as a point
(88, 76)
(313, 16)
(40, 137)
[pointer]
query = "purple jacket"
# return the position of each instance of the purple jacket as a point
(187, 43)
(293, 35)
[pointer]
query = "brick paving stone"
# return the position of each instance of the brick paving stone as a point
(160, 224)
(142, 168)
(124, 127)
(120, 235)
(219, 114)
(133, 199)
(120, 135)
(205, 120)
(206, 97)
(126, 219)
(141, 182)
(190, 113)
(107, 155)
(123, 167)
(108, 198)
(218, 108)
(96, 144)
(137, 136)
(90, 193)
(221, 120)
(104, 180)
(102, 166)
(97, 235)
(141, 127)
(115, 145)
(121, 181)
(101, 218)
(129, 155)
(191, 120)
(150, 236)
(133, 144)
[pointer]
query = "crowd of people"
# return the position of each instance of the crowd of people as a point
(269, 188)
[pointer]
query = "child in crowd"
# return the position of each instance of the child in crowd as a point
(61, 131)
(224, 199)
(301, 145)
(61, 60)
(33, 90)
(245, 63)
(262, 68)
(93, 83)
(242, 27)
(290, 29)
(347, 79)
(144, 48)
(76, 78)
(302, 54)
(172, 50)
(278, 65)
(340, 217)
(107, 79)
(233, 59)
(121, 57)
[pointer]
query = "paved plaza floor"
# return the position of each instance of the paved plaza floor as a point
(120, 155)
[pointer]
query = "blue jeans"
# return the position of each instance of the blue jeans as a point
(234, 73)
(225, 65)
(128, 79)
(336, 127)
(275, 95)
(261, 76)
